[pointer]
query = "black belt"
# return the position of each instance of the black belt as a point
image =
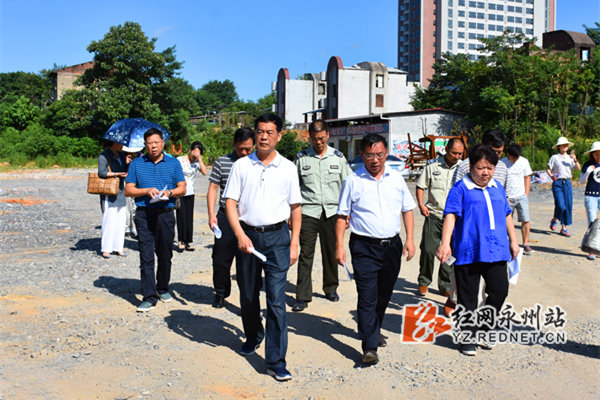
(161, 210)
(385, 242)
(266, 228)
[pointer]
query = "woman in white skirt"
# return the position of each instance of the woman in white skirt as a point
(113, 162)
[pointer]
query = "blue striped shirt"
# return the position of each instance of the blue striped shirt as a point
(147, 174)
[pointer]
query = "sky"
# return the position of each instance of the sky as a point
(245, 41)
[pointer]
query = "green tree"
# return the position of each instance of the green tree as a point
(35, 87)
(19, 114)
(593, 32)
(215, 95)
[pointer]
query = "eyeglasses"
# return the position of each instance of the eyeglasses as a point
(371, 156)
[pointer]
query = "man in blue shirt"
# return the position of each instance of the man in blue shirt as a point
(155, 179)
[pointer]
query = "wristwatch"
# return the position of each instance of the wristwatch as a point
(170, 193)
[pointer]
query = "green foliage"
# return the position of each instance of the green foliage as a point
(215, 95)
(19, 114)
(593, 33)
(290, 144)
(36, 88)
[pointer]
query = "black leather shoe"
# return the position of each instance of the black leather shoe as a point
(299, 305)
(219, 301)
(381, 342)
(370, 357)
(332, 297)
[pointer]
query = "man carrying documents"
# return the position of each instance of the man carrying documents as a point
(262, 193)
(155, 179)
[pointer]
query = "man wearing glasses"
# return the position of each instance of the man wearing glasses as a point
(261, 196)
(321, 170)
(155, 179)
(377, 202)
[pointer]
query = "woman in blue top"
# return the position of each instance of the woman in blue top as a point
(591, 176)
(477, 214)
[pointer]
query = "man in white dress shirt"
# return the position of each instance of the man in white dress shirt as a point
(376, 201)
(262, 193)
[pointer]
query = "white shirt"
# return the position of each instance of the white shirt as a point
(189, 172)
(264, 193)
(561, 166)
(515, 181)
(375, 206)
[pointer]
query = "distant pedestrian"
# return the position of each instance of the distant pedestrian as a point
(112, 162)
(591, 177)
(155, 179)
(321, 170)
(190, 164)
(436, 178)
(376, 202)
(131, 154)
(559, 170)
(262, 198)
(225, 247)
(517, 190)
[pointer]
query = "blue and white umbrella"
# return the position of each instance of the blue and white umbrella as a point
(130, 132)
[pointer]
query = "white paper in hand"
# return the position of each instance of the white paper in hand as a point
(514, 267)
(160, 196)
(261, 256)
(350, 275)
(217, 231)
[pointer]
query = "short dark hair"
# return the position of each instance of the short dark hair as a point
(494, 138)
(482, 152)
(243, 134)
(453, 141)
(197, 145)
(269, 117)
(317, 126)
(372, 139)
(153, 131)
(514, 150)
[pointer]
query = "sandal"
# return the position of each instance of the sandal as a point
(122, 254)
(565, 233)
(106, 255)
(553, 224)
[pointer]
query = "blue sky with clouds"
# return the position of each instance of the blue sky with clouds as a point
(244, 41)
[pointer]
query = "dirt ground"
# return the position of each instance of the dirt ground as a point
(70, 329)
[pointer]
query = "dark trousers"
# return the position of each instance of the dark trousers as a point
(430, 241)
(275, 246)
(185, 219)
(325, 228)
(563, 201)
(224, 250)
(156, 231)
(376, 269)
(468, 276)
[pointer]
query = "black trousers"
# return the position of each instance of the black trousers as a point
(468, 276)
(156, 231)
(185, 219)
(325, 228)
(376, 270)
(224, 250)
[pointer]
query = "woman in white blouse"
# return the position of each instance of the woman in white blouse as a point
(190, 163)
(559, 170)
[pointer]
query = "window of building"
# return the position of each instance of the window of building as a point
(510, 19)
(461, 13)
(529, 31)
(491, 27)
(472, 14)
(585, 54)
(322, 88)
(379, 80)
(529, 21)
(449, 3)
(449, 23)
(492, 17)
(473, 57)
(473, 4)
(510, 8)
(480, 4)
(481, 15)
(449, 45)
(480, 36)
(492, 6)
(500, 7)
(471, 46)
(529, 1)
(499, 17)
(378, 100)
(449, 34)
(449, 13)
(519, 30)
(472, 36)
(472, 25)
(519, 10)
(461, 45)
(518, 20)
(510, 29)
(481, 26)
(461, 24)
(461, 35)
(461, 2)
(530, 11)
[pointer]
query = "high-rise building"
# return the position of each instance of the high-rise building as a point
(429, 28)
